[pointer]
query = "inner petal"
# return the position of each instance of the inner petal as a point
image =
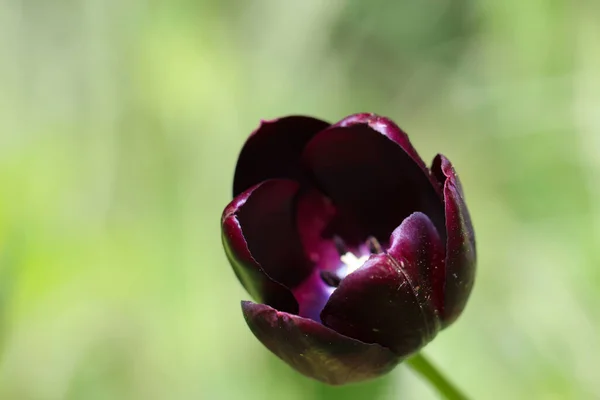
(273, 151)
(331, 241)
(314, 214)
(267, 220)
(313, 294)
(372, 179)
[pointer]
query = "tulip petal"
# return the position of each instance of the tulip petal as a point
(418, 243)
(388, 128)
(388, 300)
(315, 213)
(263, 245)
(371, 177)
(315, 350)
(318, 221)
(312, 295)
(273, 151)
(460, 247)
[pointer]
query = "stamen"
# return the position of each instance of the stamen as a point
(340, 246)
(331, 278)
(374, 245)
(350, 260)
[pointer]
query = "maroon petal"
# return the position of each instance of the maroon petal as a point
(371, 177)
(388, 300)
(312, 295)
(315, 350)
(460, 246)
(418, 243)
(273, 151)
(315, 214)
(318, 221)
(263, 245)
(388, 128)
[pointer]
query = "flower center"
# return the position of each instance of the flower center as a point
(350, 262)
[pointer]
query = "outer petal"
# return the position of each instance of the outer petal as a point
(315, 350)
(262, 244)
(273, 151)
(418, 243)
(387, 301)
(460, 247)
(369, 176)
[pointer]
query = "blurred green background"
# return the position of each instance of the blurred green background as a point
(120, 124)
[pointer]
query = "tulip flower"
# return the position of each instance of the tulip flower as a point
(355, 252)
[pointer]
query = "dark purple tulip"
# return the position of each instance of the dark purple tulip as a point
(355, 252)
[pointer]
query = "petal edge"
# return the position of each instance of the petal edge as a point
(380, 303)
(245, 248)
(461, 256)
(388, 128)
(273, 151)
(315, 350)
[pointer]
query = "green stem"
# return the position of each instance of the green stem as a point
(429, 372)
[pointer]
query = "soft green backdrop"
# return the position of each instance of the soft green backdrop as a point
(120, 124)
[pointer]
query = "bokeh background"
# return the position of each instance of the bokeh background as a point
(120, 124)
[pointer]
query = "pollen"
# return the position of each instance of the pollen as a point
(352, 262)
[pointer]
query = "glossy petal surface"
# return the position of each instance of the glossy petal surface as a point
(262, 242)
(268, 222)
(418, 243)
(315, 350)
(460, 247)
(273, 151)
(387, 301)
(387, 128)
(371, 178)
